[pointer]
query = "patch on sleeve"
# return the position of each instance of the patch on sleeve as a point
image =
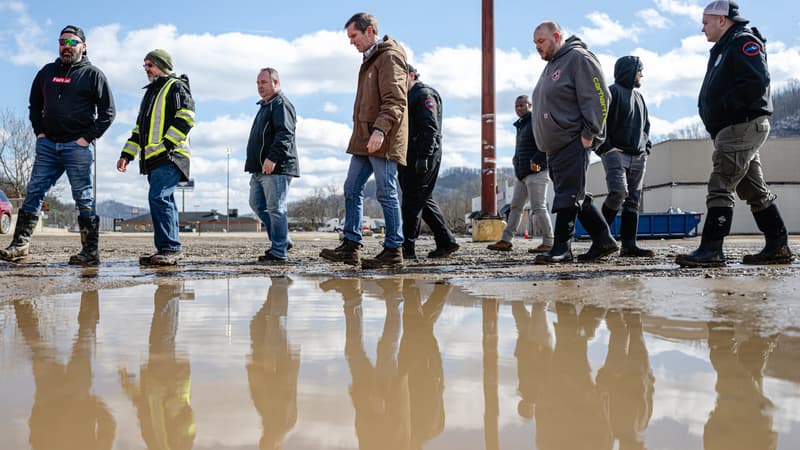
(430, 103)
(751, 48)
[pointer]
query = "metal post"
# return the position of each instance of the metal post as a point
(228, 193)
(491, 396)
(488, 151)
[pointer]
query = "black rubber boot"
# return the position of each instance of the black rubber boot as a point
(388, 257)
(709, 254)
(609, 214)
(776, 250)
(627, 231)
(563, 232)
(90, 241)
(603, 244)
(409, 250)
(23, 232)
(348, 252)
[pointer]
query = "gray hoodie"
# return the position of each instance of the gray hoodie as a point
(570, 99)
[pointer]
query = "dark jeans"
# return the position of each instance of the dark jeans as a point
(163, 209)
(568, 171)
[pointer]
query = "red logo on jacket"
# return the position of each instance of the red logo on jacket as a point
(556, 75)
(62, 80)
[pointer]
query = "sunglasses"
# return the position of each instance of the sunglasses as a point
(148, 65)
(69, 42)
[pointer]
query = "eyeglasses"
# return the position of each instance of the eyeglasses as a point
(69, 42)
(148, 65)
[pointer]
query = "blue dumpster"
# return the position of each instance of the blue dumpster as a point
(656, 225)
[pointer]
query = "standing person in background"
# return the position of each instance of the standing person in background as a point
(272, 162)
(160, 137)
(570, 103)
(418, 177)
(624, 152)
(70, 108)
(378, 143)
(530, 168)
(735, 105)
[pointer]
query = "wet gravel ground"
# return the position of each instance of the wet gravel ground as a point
(216, 255)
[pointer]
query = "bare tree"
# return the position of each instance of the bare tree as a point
(17, 151)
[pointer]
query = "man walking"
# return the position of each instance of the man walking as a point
(418, 177)
(70, 108)
(272, 162)
(734, 105)
(530, 168)
(624, 152)
(378, 143)
(160, 137)
(570, 103)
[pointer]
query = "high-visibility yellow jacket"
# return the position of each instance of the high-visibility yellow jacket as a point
(161, 133)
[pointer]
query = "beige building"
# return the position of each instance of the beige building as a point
(677, 176)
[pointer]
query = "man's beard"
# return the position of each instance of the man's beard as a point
(71, 58)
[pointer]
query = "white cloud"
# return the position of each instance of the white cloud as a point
(26, 34)
(688, 8)
(660, 128)
(329, 107)
(606, 30)
(652, 18)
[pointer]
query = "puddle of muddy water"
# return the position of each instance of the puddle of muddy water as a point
(400, 363)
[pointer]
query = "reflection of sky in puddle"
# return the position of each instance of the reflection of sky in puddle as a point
(214, 336)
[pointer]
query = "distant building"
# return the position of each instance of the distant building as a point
(201, 221)
(677, 178)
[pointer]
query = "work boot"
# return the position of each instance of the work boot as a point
(409, 252)
(501, 246)
(541, 248)
(388, 257)
(609, 215)
(627, 233)
(709, 254)
(603, 244)
(776, 250)
(166, 258)
(563, 232)
(348, 252)
(23, 232)
(445, 251)
(90, 241)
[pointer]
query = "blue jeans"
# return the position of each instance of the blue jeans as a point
(385, 170)
(268, 200)
(52, 160)
(163, 209)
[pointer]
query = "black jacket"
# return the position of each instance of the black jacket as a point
(425, 122)
(70, 102)
(526, 150)
(170, 142)
(736, 86)
(272, 137)
(627, 124)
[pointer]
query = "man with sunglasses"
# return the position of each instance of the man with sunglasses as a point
(160, 138)
(70, 108)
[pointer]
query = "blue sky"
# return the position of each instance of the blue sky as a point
(221, 46)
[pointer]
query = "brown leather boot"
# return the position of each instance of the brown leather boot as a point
(388, 257)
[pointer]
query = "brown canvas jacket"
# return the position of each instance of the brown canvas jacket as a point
(381, 102)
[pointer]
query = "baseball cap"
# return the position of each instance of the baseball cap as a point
(72, 29)
(726, 8)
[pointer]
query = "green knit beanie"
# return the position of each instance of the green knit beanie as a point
(161, 58)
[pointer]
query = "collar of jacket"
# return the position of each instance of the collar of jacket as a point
(263, 102)
(158, 81)
(522, 119)
(571, 43)
(379, 47)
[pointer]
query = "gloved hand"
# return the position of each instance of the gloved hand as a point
(421, 166)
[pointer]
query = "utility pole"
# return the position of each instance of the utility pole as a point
(228, 193)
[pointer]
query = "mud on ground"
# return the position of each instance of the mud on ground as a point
(217, 255)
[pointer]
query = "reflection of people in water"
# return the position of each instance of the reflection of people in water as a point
(273, 367)
(627, 379)
(742, 417)
(421, 361)
(66, 414)
(379, 392)
(534, 352)
(162, 396)
(571, 413)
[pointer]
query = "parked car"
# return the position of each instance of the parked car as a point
(6, 210)
(332, 225)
